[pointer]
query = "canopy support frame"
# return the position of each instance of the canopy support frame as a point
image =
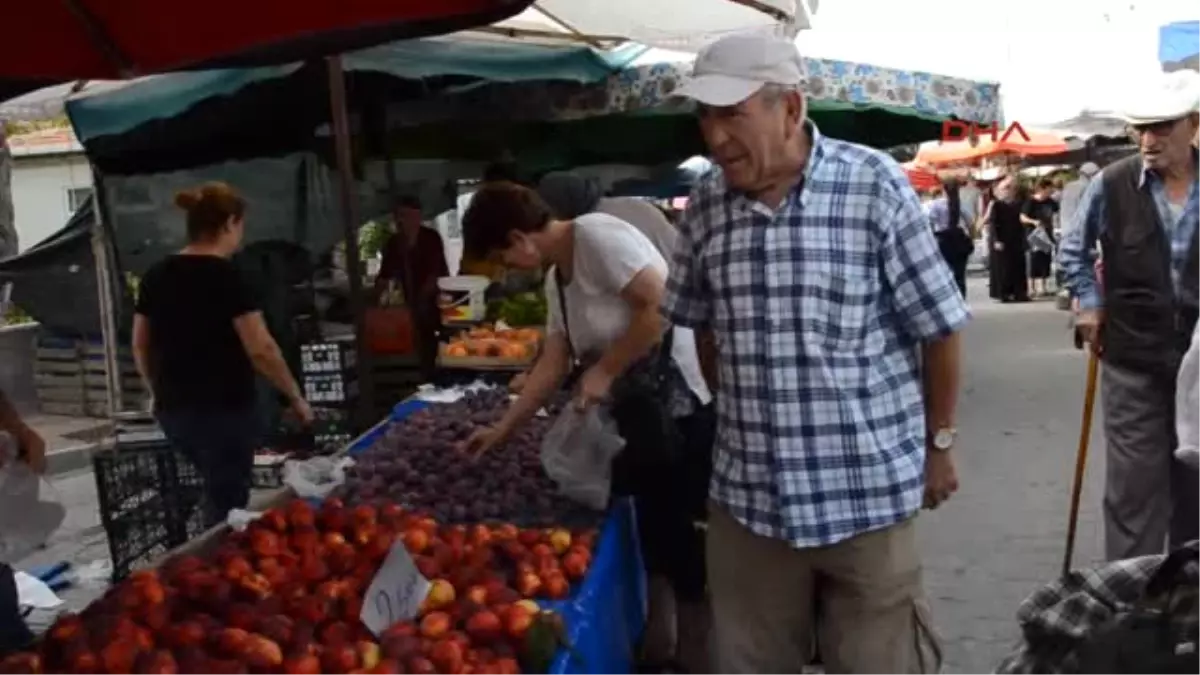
(339, 115)
(99, 36)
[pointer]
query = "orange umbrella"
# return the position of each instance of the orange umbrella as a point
(955, 152)
(922, 179)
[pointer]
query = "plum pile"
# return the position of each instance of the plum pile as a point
(418, 463)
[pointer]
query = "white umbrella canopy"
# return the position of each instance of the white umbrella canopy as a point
(1090, 123)
(681, 25)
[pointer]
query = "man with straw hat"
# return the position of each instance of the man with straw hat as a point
(810, 268)
(1143, 212)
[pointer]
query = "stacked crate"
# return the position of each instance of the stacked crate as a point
(71, 377)
(328, 373)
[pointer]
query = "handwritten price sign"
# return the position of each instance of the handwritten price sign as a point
(395, 593)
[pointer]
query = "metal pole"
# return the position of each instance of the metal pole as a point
(101, 252)
(340, 122)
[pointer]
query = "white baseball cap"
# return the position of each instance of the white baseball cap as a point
(1168, 97)
(735, 67)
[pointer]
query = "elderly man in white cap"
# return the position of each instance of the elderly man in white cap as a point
(1143, 213)
(811, 269)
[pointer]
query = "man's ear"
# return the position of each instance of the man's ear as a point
(794, 100)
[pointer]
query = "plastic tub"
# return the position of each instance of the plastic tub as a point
(461, 299)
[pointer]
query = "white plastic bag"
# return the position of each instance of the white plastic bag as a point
(315, 477)
(1187, 405)
(577, 454)
(30, 510)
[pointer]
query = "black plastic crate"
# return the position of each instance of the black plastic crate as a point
(267, 474)
(328, 357)
(151, 500)
(137, 538)
(331, 389)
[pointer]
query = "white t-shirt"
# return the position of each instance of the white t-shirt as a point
(609, 252)
(647, 219)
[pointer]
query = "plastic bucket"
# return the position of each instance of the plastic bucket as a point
(461, 299)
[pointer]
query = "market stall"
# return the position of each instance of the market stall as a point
(404, 566)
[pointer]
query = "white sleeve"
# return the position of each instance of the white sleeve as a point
(1187, 404)
(612, 252)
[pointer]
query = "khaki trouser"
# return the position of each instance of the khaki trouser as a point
(860, 599)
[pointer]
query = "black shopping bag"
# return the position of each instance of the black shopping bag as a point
(1152, 638)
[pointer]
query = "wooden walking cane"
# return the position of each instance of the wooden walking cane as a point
(1085, 433)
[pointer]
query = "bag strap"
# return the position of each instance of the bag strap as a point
(1166, 577)
(664, 354)
(562, 309)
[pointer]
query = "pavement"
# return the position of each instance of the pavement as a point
(1003, 534)
(999, 538)
(69, 440)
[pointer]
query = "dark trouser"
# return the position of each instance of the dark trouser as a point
(221, 444)
(1149, 496)
(14, 634)
(953, 252)
(667, 516)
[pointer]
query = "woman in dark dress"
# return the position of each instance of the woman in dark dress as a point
(1003, 219)
(1038, 217)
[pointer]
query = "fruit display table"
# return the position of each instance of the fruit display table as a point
(310, 586)
(605, 614)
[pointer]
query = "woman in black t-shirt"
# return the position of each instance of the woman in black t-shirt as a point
(198, 338)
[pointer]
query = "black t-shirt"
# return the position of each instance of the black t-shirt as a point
(196, 358)
(1042, 210)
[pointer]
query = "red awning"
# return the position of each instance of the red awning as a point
(50, 41)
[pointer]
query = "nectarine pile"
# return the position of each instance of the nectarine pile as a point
(418, 463)
(285, 595)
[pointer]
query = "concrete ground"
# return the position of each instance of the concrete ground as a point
(998, 539)
(1003, 533)
(69, 440)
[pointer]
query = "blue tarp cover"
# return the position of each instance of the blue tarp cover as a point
(605, 614)
(162, 97)
(1178, 41)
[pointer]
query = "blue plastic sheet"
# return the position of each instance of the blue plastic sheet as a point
(606, 614)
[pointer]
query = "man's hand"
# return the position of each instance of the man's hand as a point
(941, 480)
(1089, 322)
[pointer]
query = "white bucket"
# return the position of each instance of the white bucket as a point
(461, 299)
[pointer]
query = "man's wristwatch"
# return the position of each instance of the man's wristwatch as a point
(943, 439)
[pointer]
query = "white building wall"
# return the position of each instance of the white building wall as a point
(40, 189)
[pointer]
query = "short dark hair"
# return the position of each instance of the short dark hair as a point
(1045, 184)
(407, 202)
(209, 209)
(502, 171)
(498, 209)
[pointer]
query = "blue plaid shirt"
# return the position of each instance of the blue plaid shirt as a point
(1077, 256)
(818, 309)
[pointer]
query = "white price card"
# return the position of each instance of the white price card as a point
(396, 592)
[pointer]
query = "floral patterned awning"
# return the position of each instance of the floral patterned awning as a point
(649, 89)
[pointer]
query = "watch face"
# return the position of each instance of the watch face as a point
(943, 439)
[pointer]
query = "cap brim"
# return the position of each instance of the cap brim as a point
(1144, 119)
(719, 90)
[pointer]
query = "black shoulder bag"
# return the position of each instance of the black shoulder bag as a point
(640, 405)
(1158, 634)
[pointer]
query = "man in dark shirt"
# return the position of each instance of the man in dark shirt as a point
(414, 258)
